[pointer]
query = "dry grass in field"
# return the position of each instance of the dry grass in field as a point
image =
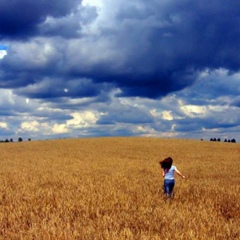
(111, 188)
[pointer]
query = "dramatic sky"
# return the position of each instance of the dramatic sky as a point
(83, 68)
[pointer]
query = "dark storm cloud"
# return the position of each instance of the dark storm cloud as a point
(68, 26)
(216, 88)
(19, 19)
(56, 88)
(161, 47)
(146, 49)
(9, 79)
(161, 68)
(236, 102)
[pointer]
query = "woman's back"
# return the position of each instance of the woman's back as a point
(169, 173)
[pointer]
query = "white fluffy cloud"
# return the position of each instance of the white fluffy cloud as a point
(3, 125)
(3, 53)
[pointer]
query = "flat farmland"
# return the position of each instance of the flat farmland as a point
(111, 188)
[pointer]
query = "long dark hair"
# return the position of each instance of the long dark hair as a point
(166, 163)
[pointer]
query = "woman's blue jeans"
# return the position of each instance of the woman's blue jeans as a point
(168, 186)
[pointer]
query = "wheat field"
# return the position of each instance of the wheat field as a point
(111, 188)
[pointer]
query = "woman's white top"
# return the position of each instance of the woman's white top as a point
(170, 173)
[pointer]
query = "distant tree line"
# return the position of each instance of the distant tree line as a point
(226, 140)
(11, 140)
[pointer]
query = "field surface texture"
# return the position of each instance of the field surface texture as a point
(111, 188)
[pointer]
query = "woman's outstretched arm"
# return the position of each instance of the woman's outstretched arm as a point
(179, 173)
